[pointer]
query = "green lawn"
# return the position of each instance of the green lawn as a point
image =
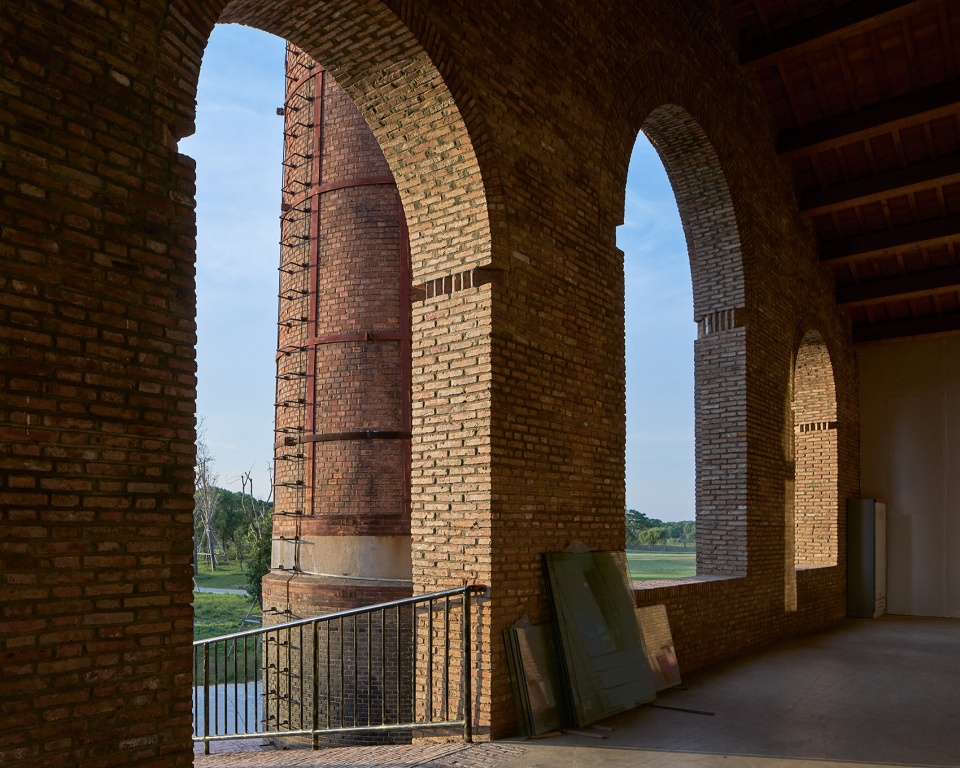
(227, 576)
(645, 566)
(216, 615)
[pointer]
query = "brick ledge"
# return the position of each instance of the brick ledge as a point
(678, 584)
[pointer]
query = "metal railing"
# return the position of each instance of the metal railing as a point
(381, 668)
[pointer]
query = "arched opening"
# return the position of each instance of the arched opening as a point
(342, 334)
(403, 99)
(340, 328)
(816, 498)
(660, 465)
(719, 370)
(378, 60)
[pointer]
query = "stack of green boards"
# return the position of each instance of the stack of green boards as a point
(602, 661)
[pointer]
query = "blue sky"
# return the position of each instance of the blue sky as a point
(660, 332)
(238, 150)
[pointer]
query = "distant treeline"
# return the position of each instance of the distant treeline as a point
(649, 533)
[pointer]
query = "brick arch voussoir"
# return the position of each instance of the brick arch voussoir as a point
(655, 85)
(401, 77)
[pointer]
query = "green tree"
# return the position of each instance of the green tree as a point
(639, 520)
(232, 524)
(259, 536)
(644, 531)
(653, 537)
(688, 533)
(636, 523)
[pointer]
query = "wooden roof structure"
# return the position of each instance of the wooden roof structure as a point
(865, 97)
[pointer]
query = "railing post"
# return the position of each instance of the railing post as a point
(466, 687)
(316, 684)
(206, 699)
(429, 697)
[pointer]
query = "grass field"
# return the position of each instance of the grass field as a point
(228, 576)
(216, 615)
(645, 566)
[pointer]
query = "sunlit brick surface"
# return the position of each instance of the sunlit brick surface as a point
(817, 505)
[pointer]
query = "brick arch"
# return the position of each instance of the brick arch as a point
(409, 96)
(706, 209)
(816, 495)
(672, 110)
(659, 97)
(652, 81)
(396, 71)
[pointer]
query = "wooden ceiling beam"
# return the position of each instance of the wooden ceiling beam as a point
(825, 29)
(902, 330)
(903, 181)
(890, 241)
(920, 106)
(900, 288)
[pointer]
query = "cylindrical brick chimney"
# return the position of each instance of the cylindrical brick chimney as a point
(342, 501)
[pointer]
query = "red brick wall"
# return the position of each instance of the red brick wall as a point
(509, 131)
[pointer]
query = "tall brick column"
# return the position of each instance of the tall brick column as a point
(341, 532)
(342, 521)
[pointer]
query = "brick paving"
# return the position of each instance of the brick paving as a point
(401, 756)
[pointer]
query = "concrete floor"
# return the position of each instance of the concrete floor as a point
(867, 693)
(881, 692)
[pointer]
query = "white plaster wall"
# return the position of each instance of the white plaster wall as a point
(910, 456)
